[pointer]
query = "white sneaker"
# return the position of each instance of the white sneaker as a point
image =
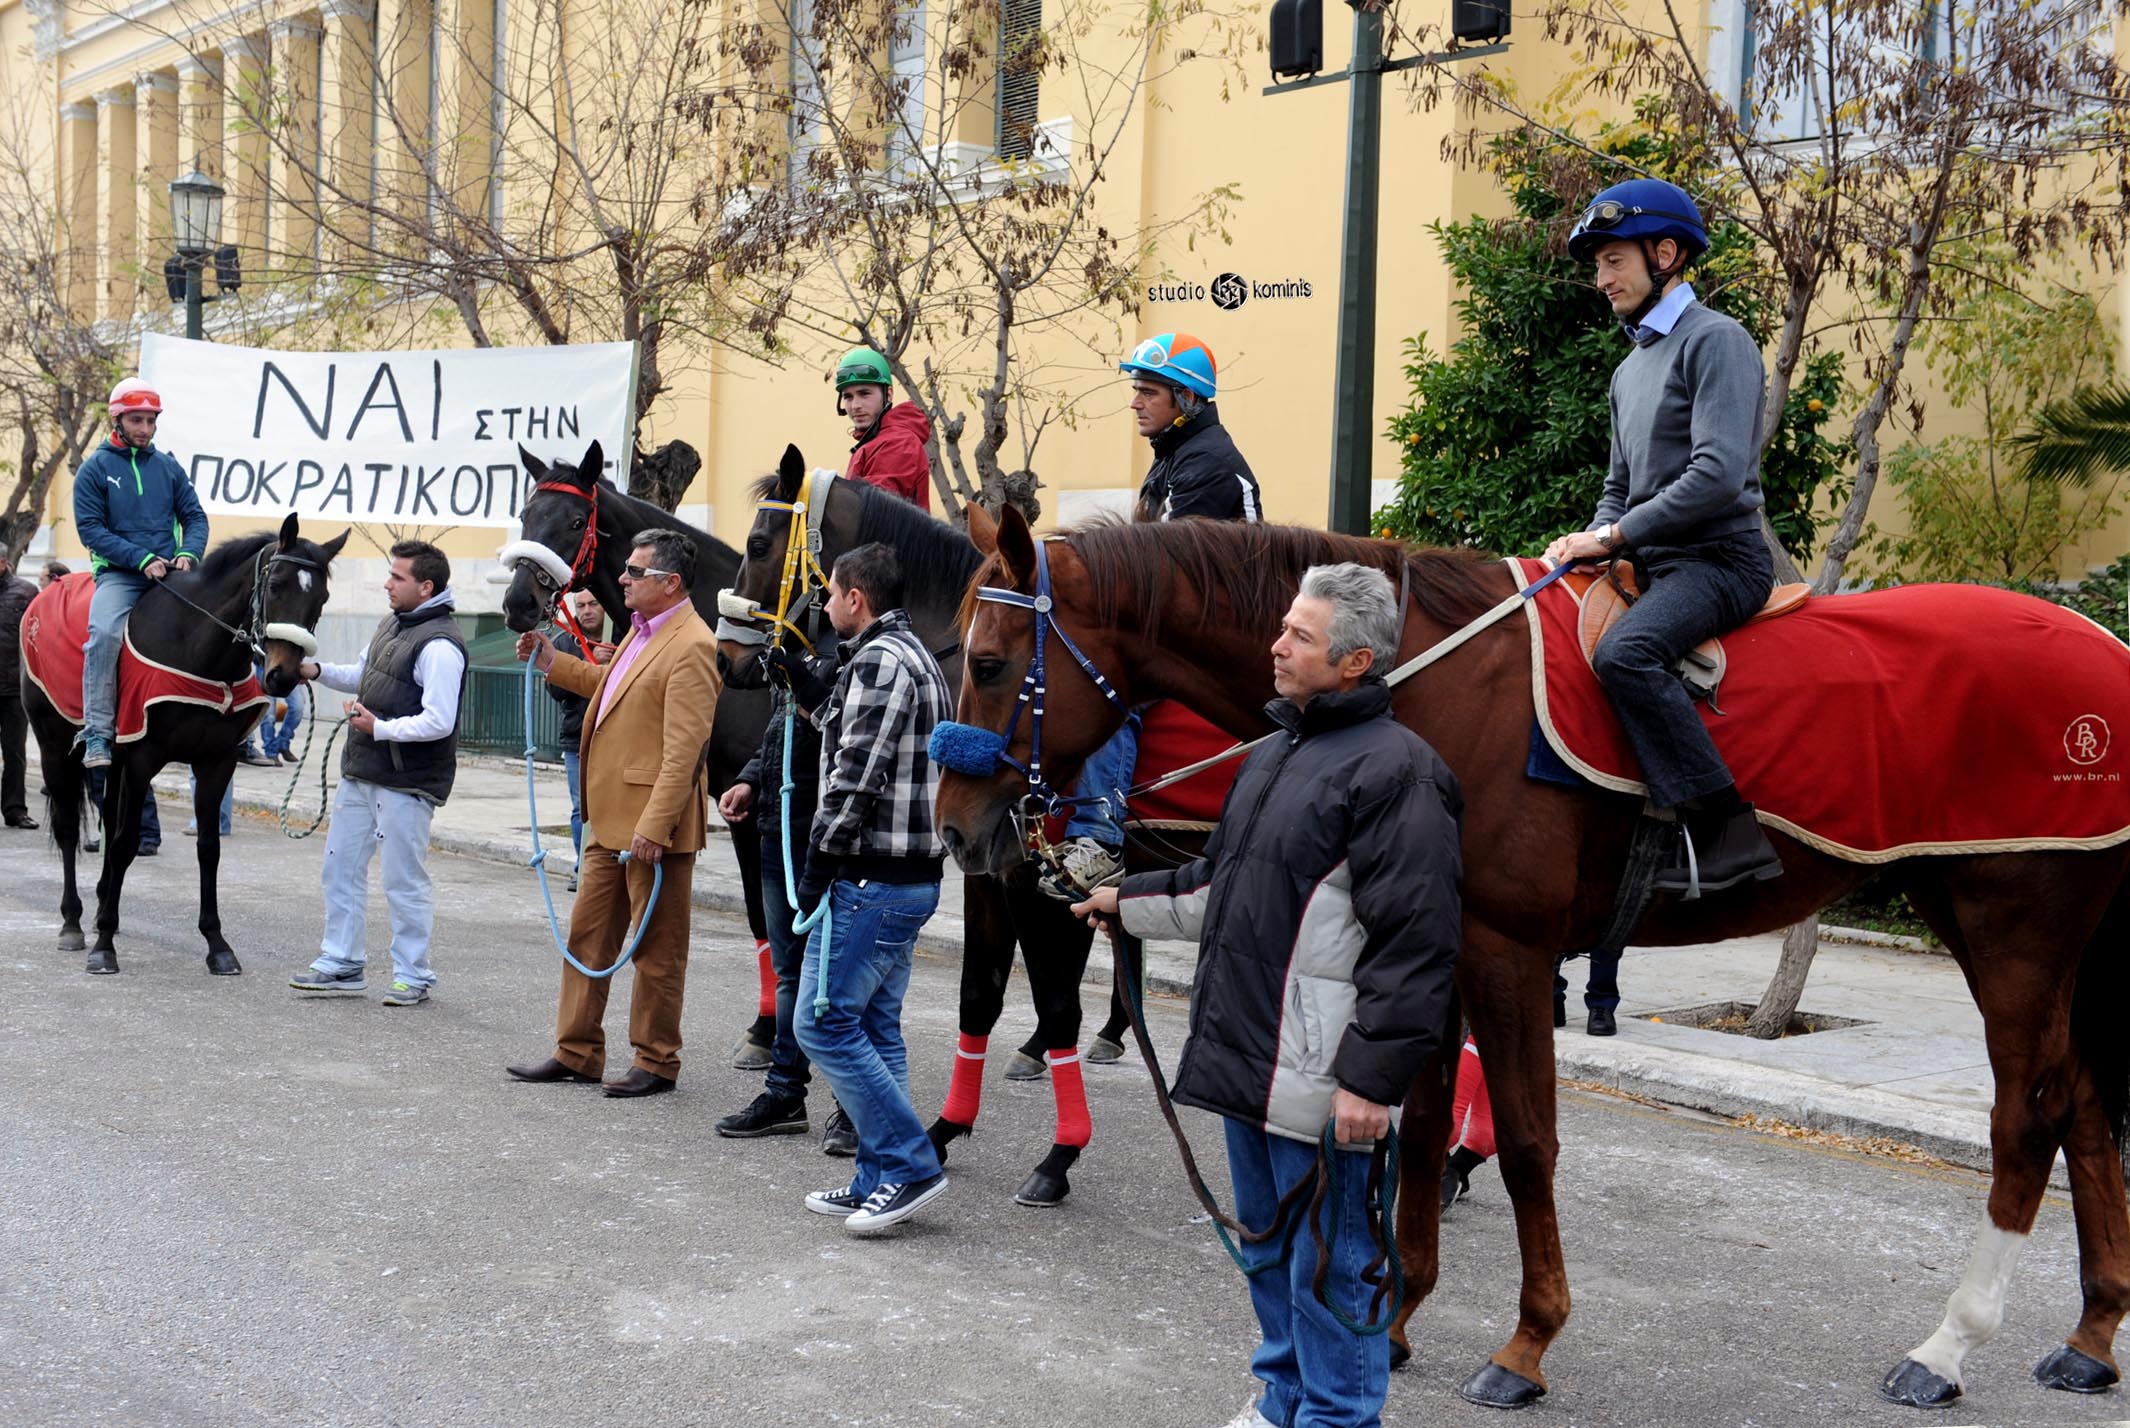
(1250, 1418)
(892, 1204)
(838, 1202)
(1086, 865)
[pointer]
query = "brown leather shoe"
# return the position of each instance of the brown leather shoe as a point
(639, 1082)
(548, 1070)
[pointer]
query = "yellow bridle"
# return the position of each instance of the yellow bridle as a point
(803, 572)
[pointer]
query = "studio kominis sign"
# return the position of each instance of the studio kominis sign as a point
(409, 438)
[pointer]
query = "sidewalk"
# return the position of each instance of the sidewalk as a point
(1912, 1070)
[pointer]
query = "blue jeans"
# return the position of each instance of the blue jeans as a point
(229, 802)
(857, 1041)
(1107, 774)
(573, 770)
(1317, 1372)
(1688, 594)
(117, 592)
(278, 738)
(788, 1071)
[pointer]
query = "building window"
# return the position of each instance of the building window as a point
(907, 131)
(1020, 76)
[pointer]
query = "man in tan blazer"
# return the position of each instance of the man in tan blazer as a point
(644, 792)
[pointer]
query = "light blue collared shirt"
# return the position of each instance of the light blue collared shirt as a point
(1662, 317)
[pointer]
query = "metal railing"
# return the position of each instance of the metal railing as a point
(492, 714)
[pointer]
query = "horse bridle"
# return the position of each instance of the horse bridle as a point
(530, 554)
(804, 582)
(259, 629)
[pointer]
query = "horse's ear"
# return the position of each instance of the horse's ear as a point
(592, 468)
(288, 532)
(790, 472)
(332, 547)
(1017, 544)
(534, 466)
(983, 531)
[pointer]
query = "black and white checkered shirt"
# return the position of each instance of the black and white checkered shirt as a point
(877, 779)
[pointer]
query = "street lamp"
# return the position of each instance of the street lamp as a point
(196, 225)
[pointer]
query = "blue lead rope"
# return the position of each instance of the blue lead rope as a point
(802, 921)
(538, 862)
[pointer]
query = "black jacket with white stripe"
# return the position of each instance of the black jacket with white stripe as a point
(1327, 911)
(1198, 472)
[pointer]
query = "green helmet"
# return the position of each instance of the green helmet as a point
(862, 367)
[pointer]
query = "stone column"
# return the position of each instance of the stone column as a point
(244, 119)
(155, 154)
(403, 121)
(200, 115)
(292, 157)
(465, 103)
(347, 74)
(77, 238)
(117, 203)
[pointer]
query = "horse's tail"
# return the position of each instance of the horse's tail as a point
(2098, 1005)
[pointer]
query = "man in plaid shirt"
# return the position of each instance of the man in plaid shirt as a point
(876, 860)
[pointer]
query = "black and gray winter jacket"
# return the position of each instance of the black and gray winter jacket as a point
(1327, 914)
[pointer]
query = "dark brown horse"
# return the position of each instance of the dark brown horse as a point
(252, 597)
(1187, 610)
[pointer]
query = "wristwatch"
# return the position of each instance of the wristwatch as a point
(1610, 538)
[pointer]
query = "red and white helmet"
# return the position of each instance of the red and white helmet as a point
(134, 395)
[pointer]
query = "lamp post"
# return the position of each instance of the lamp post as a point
(196, 225)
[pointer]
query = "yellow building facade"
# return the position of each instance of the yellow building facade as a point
(129, 96)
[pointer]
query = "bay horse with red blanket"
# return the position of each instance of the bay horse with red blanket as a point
(1187, 611)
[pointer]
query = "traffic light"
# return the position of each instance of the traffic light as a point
(1479, 19)
(1297, 38)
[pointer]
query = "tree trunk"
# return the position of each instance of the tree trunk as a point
(1779, 1002)
(663, 477)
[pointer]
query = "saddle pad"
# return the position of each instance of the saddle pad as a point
(1170, 737)
(1927, 719)
(54, 629)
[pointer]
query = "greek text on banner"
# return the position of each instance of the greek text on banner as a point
(406, 438)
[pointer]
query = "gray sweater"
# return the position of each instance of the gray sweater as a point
(1685, 434)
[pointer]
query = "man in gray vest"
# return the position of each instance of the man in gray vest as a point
(397, 767)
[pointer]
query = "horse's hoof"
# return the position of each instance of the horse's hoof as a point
(102, 962)
(750, 1055)
(1023, 1067)
(1915, 1386)
(221, 962)
(1400, 1355)
(2074, 1372)
(1102, 1051)
(1497, 1387)
(1042, 1190)
(71, 939)
(944, 1133)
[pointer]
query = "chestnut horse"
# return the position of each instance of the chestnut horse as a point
(1187, 610)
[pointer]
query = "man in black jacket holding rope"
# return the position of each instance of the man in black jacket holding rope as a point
(1327, 914)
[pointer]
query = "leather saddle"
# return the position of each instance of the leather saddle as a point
(1604, 593)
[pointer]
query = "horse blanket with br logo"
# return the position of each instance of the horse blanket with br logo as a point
(1925, 719)
(1172, 737)
(53, 630)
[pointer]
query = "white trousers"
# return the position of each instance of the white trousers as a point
(395, 825)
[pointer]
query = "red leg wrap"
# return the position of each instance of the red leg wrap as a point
(1472, 1114)
(965, 1093)
(766, 1005)
(1074, 1125)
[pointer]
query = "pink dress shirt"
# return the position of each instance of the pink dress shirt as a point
(644, 629)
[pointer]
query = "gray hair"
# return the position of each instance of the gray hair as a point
(670, 550)
(1364, 611)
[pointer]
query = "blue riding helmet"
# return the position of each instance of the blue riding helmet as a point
(1640, 209)
(1176, 358)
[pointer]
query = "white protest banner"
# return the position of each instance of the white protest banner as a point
(409, 438)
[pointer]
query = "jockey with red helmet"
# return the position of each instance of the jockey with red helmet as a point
(1682, 501)
(136, 511)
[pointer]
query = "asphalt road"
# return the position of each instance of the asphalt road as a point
(225, 1203)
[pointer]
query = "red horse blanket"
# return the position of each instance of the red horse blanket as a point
(1928, 719)
(53, 631)
(1172, 737)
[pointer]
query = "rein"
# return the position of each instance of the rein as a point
(260, 629)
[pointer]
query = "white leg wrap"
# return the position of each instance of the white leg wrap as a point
(1976, 1307)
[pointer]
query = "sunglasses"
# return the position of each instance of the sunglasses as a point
(644, 572)
(1609, 213)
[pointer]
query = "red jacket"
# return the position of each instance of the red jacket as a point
(893, 458)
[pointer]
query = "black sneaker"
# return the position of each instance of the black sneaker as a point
(766, 1116)
(890, 1205)
(839, 1136)
(1713, 856)
(838, 1202)
(310, 979)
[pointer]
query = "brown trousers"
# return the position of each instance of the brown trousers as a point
(607, 905)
